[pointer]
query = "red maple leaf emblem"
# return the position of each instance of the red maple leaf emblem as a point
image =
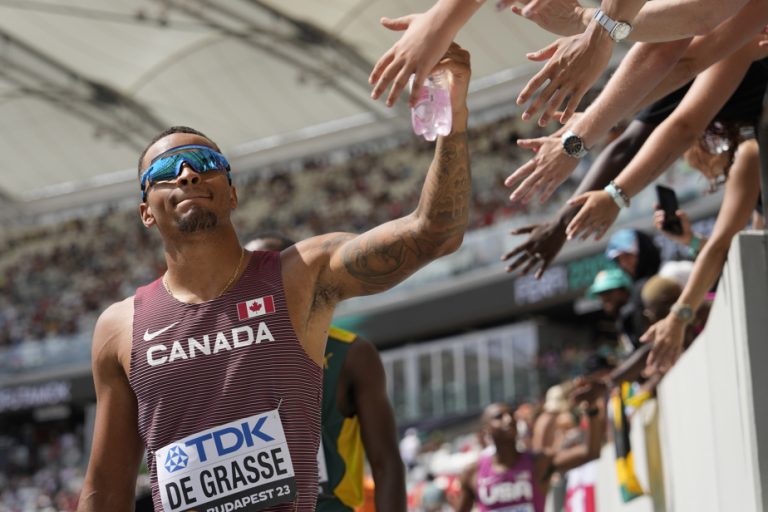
(255, 306)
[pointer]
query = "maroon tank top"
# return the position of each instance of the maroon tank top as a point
(228, 400)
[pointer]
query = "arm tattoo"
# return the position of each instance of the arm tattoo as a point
(388, 254)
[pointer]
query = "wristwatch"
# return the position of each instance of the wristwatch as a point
(573, 145)
(618, 30)
(683, 312)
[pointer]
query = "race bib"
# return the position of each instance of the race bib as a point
(243, 466)
(322, 472)
(322, 468)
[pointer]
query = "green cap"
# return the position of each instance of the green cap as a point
(609, 279)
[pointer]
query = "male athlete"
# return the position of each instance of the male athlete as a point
(506, 479)
(357, 419)
(216, 368)
(356, 415)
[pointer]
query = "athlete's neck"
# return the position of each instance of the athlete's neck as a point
(507, 454)
(204, 270)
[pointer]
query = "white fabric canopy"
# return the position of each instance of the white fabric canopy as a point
(84, 84)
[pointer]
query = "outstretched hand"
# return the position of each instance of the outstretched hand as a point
(598, 212)
(667, 336)
(574, 63)
(421, 46)
(561, 17)
(542, 246)
(544, 172)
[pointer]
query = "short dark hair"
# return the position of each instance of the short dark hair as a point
(171, 131)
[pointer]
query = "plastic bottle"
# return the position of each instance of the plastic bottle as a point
(432, 114)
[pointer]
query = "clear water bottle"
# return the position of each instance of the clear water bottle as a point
(432, 114)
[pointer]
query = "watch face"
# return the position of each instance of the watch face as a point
(573, 145)
(621, 31)
(684, 313)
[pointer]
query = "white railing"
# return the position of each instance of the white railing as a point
(713, 418)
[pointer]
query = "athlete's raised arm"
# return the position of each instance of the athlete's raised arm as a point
(110, 481)
(351, 265)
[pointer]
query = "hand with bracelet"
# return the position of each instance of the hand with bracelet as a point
(599, 209)
(574, 63)
(706, 96)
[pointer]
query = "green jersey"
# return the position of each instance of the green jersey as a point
(340, 458)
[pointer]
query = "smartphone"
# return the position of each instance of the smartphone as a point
(668, 203)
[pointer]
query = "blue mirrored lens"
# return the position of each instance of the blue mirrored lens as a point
(167, 166)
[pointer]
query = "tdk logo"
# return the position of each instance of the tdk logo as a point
(176, 459)
(228, 439)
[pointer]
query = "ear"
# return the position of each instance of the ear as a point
(232, 197)
(145, 212)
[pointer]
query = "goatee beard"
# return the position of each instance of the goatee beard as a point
(197, 220)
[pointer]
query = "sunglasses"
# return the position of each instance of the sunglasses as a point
(167, 166)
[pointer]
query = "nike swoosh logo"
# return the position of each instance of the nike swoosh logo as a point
(150, 336)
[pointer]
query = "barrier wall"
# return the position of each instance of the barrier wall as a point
(713, 417)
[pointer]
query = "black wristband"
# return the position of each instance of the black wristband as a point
(592, 412)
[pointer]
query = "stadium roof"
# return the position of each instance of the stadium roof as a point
(84, 84)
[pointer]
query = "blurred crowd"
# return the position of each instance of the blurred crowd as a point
(57, 282)
(41, 470)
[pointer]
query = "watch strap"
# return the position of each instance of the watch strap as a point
(617, 30)
(605, 21)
